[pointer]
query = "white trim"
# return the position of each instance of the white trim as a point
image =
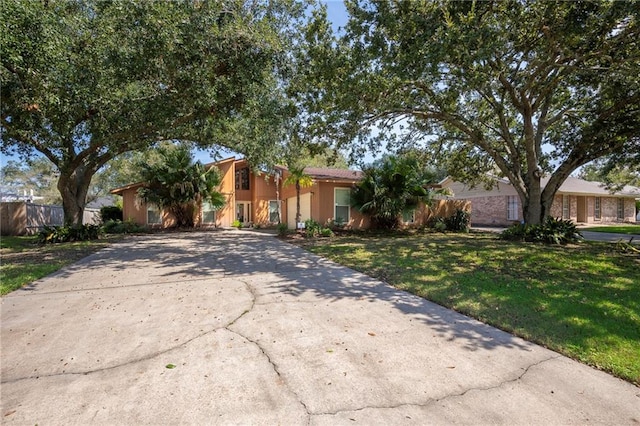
(335, 205)
(277, 211)
(202, 211)
(412, 214)
(513, 207)
(154, 208)
(620, 209)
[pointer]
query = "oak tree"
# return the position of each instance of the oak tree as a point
(84, 81)
(517, 88)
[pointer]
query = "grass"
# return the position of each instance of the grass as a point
(582, 301)
(616, 229)
(24, 261)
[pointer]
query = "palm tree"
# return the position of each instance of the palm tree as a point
(391, 187)
(179, 185)
(298, 177)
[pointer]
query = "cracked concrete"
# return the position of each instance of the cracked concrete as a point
(261, 332)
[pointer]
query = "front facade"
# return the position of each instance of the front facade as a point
(259, 199)
(577, 200)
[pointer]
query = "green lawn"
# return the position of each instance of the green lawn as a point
(617, 229)
(582, 301)
(24, 261)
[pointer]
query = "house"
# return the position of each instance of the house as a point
(578, 200)
(255, 198)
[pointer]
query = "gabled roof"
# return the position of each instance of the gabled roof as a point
(579, 186)
(573, 185)
(118, 191)
(321, 173)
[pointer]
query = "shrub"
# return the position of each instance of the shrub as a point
(108, 213)
(236, 224)
(458, 221)
(282, 229)
(120, 227)
(326, 232)
(551, 231)
(311, 228)
(437, 223)
(64, 234)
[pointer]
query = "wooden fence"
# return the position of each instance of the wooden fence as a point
(20, 218)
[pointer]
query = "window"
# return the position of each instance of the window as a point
(242, 179)
(620, 209)
(208, 213)
(274, 211)
(342, 202)
(512, 207)
(409, 216)
(565, 207)
(153, 215)
(598, 211)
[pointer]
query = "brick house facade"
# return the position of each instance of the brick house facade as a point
(578, 200)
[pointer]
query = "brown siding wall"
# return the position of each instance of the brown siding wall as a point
(325, 206)
(225, 216)
(132, 209)
(264, 190)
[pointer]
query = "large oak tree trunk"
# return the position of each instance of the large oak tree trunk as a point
(73, 188)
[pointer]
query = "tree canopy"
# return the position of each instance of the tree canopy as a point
(84, 81)
(178, 185)
(521, 89)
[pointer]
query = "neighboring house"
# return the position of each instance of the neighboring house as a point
(256, 199)
(578, 200)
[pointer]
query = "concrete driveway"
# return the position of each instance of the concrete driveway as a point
(262, 332)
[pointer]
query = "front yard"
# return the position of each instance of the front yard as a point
(24, 261)
(582, 301)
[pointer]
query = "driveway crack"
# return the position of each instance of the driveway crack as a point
(146, 357)
(432, 401)
(266, 355)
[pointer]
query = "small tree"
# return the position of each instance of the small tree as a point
(179, 185)
(390, 187)
(300, 179)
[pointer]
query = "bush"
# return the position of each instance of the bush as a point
(458, 221)
(108, 213)
(282, 229)
(326, 232)
(64, 234)
(311, 228)
(551, 231)
(236, 224)
(120, 227)
(437, 223)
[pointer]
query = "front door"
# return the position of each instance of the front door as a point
(243, 212)
(582, 209)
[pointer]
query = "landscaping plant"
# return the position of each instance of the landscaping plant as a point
(67, 233)
(551, 231)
